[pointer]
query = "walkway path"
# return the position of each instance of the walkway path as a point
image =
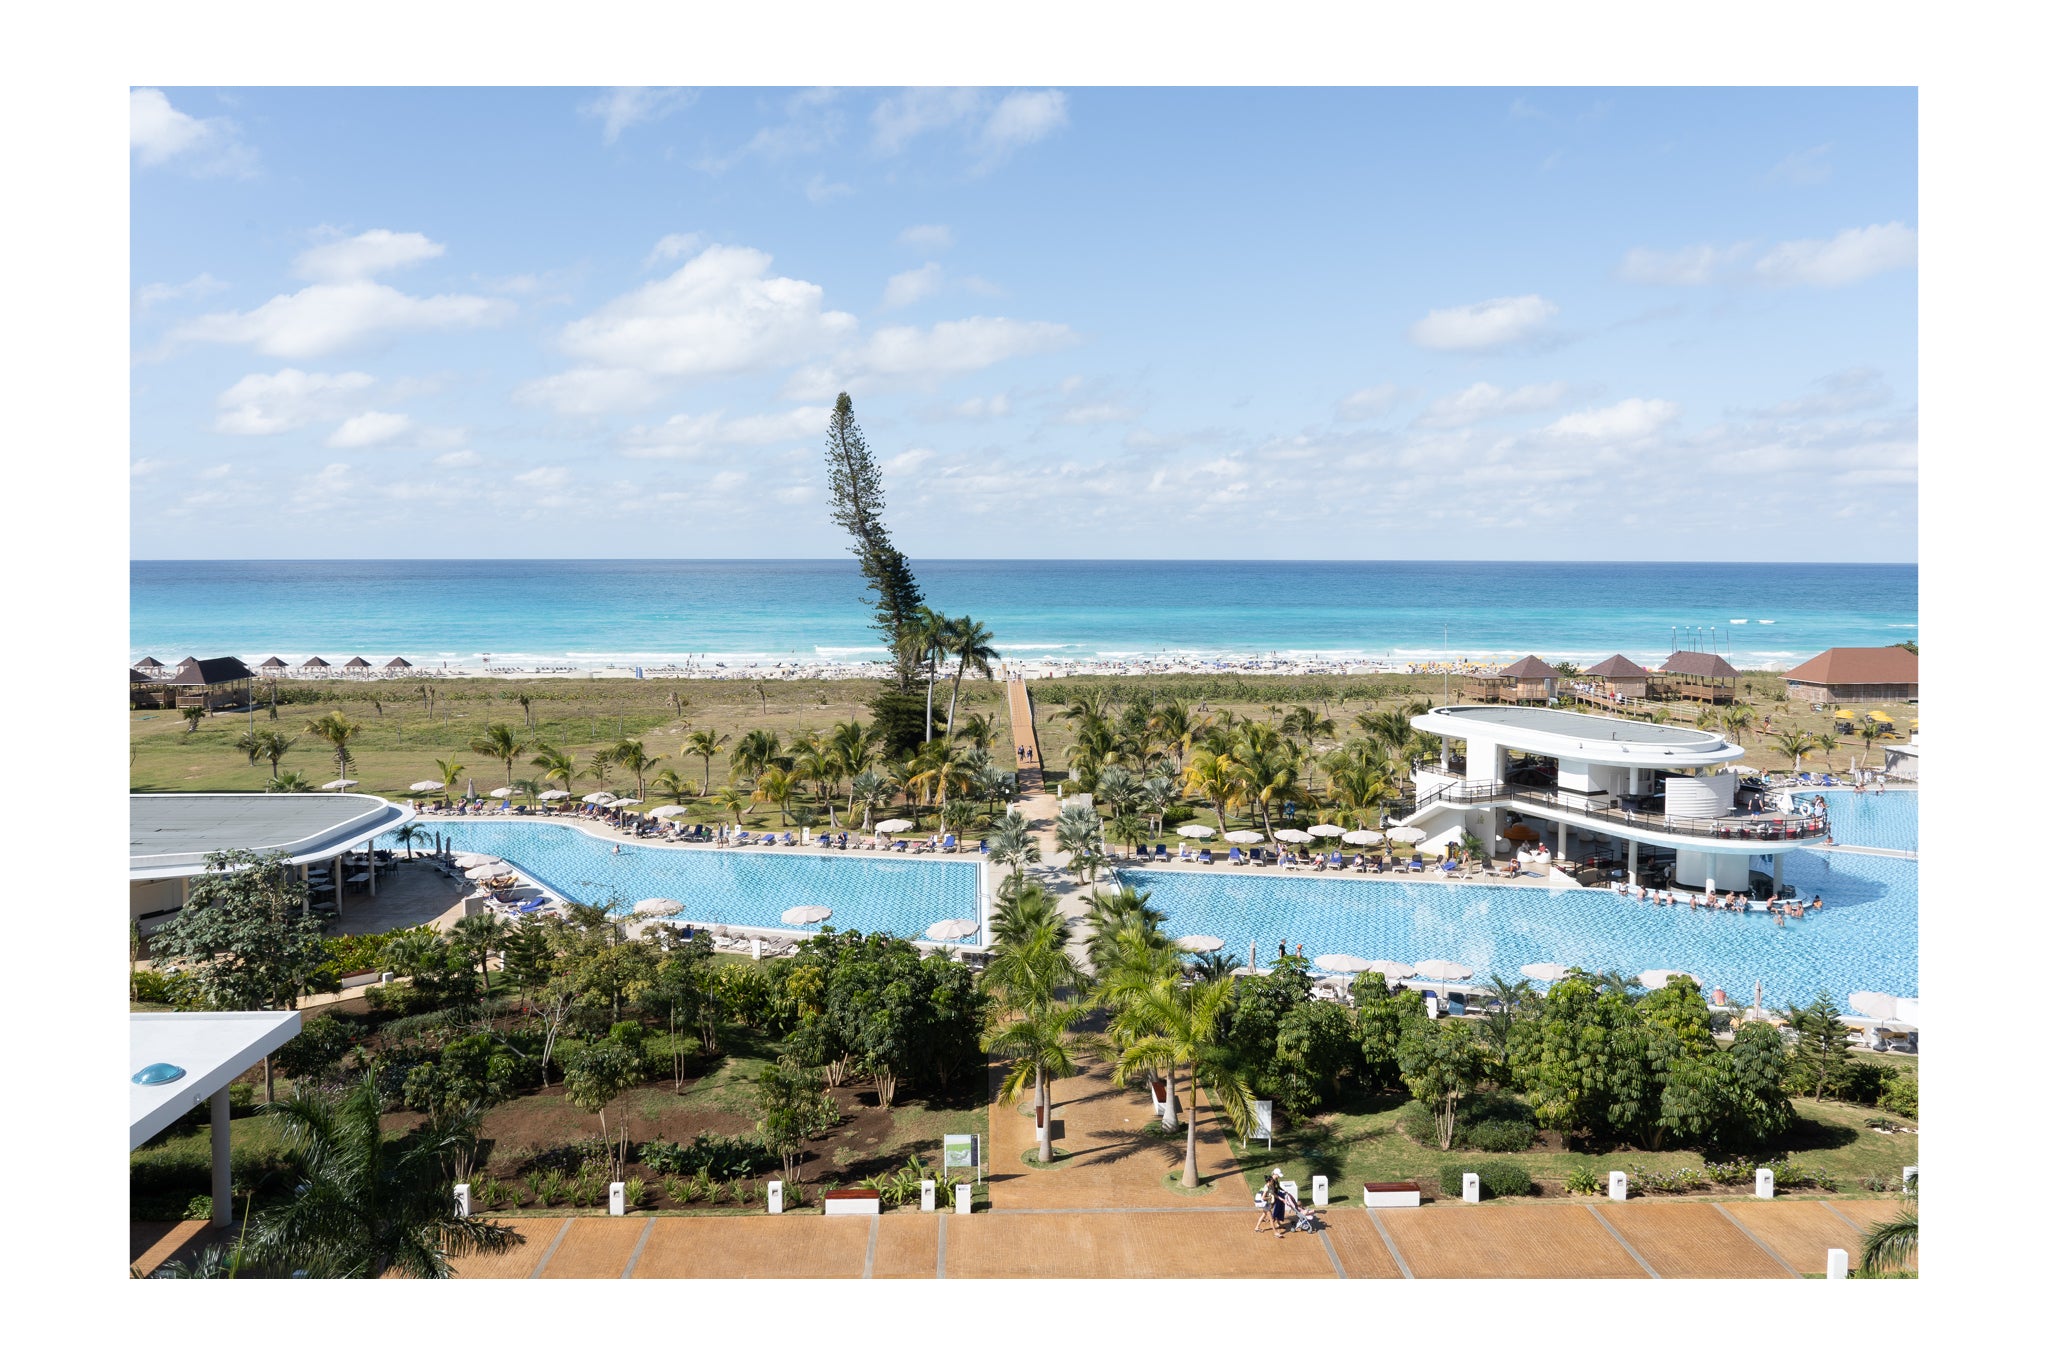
(1024, 734)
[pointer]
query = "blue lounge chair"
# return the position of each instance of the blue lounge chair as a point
(900, 846)
(1455, 1005)
(983, 849)
(1258, 857)
(1159, 853)
(951, 845)
(1415, 864)
(1236, 856)
(1337, 862)
(1204, 857)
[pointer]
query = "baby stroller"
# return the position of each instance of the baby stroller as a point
(1305, 1219)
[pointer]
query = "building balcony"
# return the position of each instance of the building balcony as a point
(1600, 811)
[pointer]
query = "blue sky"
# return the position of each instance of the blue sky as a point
(1633, 324)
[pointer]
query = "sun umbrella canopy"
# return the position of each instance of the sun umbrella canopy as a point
(946, 930)
(598, 797)
(1195, 832)
(1200, 943)
(474, 859)
(1365, 836)
(624, 801)
(398, 663)
(658, 905)
(486, 871)
(426, 785)
(1545, 971)
(1326, 831)
(554, 795)
(1437, 969)
(1845, 714)
(1388, 968)
(892, 826)
(1292, 836)
(806, 914)
(1661, 977)
(1343, 962)
(1245, 836)
(501, 792)
(338, 784)
(1875, 1004)
(1407, 834)
(664, 812)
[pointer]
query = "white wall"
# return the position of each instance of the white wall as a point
(1699, 798)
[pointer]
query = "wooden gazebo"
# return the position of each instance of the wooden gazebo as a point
(212, 683)
(1621, 677)
(1526, 679)
(1695, 676)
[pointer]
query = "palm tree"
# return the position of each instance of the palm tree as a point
(525, 701)
(632, 755)
(271, 747)
(335, 730)
(529, 789)
(1264, 765)
(936, 772)
(1825, 741)
(368, 1204)
(972, 644)
(1179, 1026)
(733, 800)
(776, 785)
(478, 936)
(704, 744)
(1027, 973)
(408, 835)
(450, 772)
(756, 751)
(1078, 833)
(931, 635)
(1011, 843)
(247, 743)
(1129, 827)
(1213, 778)
(1178, 728)
(1892, 1245)
(499, 741)
(1795, 745)
(669, 784)
(1869, 732)
(869, 789)
(977, 728)
(1036, 1039)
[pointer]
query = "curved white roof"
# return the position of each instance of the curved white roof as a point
(170, 834)
(1578, 735)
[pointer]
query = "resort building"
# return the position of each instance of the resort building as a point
(179, 1059)
(1617, 676)
(211, 683)
(171, 835)
(1526, 679)
(1836, 676)
(1653, 802)
(1690, 675)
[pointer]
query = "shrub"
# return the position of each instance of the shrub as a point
(200, 1206)
(1899, 1092)
(151, 988)
(1740, 1171)
(1790, 1175)
(1498, 1135)
(1584, 1180)
(680, 1189)
(1497, 1179)
(720, 1157)
(636, 1192)
(1861, 1082)
(321, 1044)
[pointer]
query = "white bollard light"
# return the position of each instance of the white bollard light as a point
(775, 1196)
(928, 1195)
(757, 950)
(1838, 1263)
(1471, 1187)
(963, 1199)
(462, 1205)
(1617, 1184)
(1319, 1190)
(1766, 1183)
(618, 1209)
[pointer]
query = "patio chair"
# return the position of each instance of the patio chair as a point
(1237, 858)
(1159, 853)
(951, 845)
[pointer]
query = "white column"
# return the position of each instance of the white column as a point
(1631, 862)
(223, 1183)
(371, 849)
(337, 883)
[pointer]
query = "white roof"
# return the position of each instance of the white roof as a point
(212, 1049)
(170, 834)
(1590, 738)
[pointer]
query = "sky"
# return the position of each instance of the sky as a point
(1091, 323)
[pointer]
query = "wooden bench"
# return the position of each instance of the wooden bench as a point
(1393, 1194)
(852, 1203)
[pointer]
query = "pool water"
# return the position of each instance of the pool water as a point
(1872, 821)
(901, 896)
(1866, 937)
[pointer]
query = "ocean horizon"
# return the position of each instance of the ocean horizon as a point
(626, 612)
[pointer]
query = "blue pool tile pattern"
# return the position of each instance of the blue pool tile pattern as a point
(1866, 937)
(1868, 820)
(901, 896)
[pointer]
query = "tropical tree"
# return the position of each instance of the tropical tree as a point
(1825, 741)
(1869, 732)
(293, 781)
(632, 755)
(499, 741)
(193, 715)
(525, 701)
(794, 1109)
(450, 771)
(733, 800)
(558, 767)
(1180, 1026)
(976, 728)
(869, 789)
(1440, 1062)
(669, 784)
(336, 731)
(776, 785)
(1028, 971)
(1794, 745)
(405, 836)
(271, 747)
(1211, 777)
(1890, 1246)
(1129, 827)
(1078, 833)
(704, 744)
(757, 751)
(367, 1203)
(1011, 844)
(972, 645)
(932, 636)
(477, 937)
(1820, 1055)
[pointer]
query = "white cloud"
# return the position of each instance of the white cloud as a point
(590, 389)
(370, 429)
(1375, 401)
(365, 256)
(674, 245)
(819, 190)
(1809, 167)
(921, 354)
(1096, 414)
(330, 484)
(1851, 390)
(911, 285)
(727, 480)
(1629, 420)
(1016, 120)
(683, 435)
(927, 236)
(330, 317)
(265, 404)
(721, 313)
(1688, 265)
(903, 462)
(1483, 402)
(1482, 326)
(623, 106)
(159, 133)
(901, 117)
(198, 287)
(543, 476)
(459, 459)
(1023, 118)
(1850, 255)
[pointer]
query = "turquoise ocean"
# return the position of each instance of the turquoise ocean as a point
(597, 613)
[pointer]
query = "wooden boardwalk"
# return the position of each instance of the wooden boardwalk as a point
(1024, 734)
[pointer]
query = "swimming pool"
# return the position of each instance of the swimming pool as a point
(901, 896)
(1867, 937)
(1872, 821)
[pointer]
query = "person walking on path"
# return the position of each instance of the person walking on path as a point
(1269, 1203)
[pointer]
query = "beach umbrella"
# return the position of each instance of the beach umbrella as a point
(1437, 969)
(1293, 836)
(1388, 968)
(1199, 943)
(1195, 832)
(806, 914)
(1876, 1004)
(1344, 962)
(1326, 831)
(1520, 834)
(658, 905)
(338, 784)
(426, 785)
(1245, 836)
(474, 859)
(501, 792)
(469, 792)
(598, 798)
(1545, 971)
(1661, 977)
(947, 930)
(892, 826)
(665, 812)
(1407, 834)
(625, 801)
(485, 871)
(554, 795)
(1365, 836)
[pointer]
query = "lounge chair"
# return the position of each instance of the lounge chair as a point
(984, 847)
(1415, 863)
(1205, 857)
(1237, 858)
(1258, 857)
(1159, 854)
(900, 846)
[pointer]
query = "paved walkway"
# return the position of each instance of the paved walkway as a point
(1553, 1239)
(1024, 734)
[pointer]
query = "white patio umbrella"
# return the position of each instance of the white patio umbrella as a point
(625, 801)
(658, 905)
(485, 871)
(1199, 943)
(474, 859)
(1438, 969)
(1293, 836)
(429, 785)
(1660, 977)
(806, 914)
(667, 812)
(1545, 971)
(1388, 968)
(892, 826)
(1344, 962)
(946, 930)
(501, 792)
(469, 791)
(555, 794)
(599, 798)
(1875, 1004)
(1326, 831)
(338, 784)
(1365, 836)
(1245, 836)
(1407, 834)
(1195, 832)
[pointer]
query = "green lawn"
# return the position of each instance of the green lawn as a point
(167, 1173)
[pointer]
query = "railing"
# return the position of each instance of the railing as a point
(1762, 828)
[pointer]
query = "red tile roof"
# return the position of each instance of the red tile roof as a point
(1837, 667)
(1528, 666)
(1693, 664)
(1615, 666)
